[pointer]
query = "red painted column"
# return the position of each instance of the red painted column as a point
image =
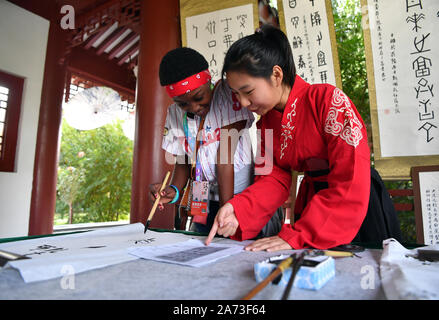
(159, 33)
(43, 199)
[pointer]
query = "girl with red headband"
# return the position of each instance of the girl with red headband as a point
(209, 113)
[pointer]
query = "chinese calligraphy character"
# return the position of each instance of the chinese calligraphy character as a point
(426, 115)
(301, 64)
(315, 19)
(144, 241)
(292, 3)
(214, 72)
(421, 66)
(321, 60)
(295, 21)
(416, 43)
(427, 127)
(212, 61)
(196, 31)
(228, 40)
(424, 84)
(324, 76)
(242, 18)
(44, 249)
(226, 29)
(415, 19)
(319, 38)
(297, 42)
(211, 27)
(412, 3)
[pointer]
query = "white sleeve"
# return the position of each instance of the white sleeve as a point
(229, 108)
(173, 133)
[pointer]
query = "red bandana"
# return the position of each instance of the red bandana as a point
(187, 85)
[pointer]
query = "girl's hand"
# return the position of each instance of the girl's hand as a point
(274, 243)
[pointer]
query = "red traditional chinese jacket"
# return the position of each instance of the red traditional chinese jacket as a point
(320, 130)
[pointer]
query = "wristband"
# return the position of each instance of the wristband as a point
(177, 194)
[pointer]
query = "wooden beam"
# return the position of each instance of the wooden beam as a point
(122, 45)
(87, 61)
(111, 39)
(93, 39)
(128, 55)
(400, 192)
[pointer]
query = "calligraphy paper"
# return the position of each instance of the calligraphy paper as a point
(193, 253)
(81, 252)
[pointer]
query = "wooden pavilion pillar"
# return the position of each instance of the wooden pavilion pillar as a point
(43, 199)
(159, 33)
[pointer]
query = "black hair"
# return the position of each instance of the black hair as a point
(179, 64)
(258, 53)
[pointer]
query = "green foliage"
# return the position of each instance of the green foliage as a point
(103, 156)
(406, 218)
(351, 53)
(70, 180)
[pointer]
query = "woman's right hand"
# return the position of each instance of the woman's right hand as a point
(166, 195)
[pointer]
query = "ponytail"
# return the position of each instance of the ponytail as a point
(258, 53)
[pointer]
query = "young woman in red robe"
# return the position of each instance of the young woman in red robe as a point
(316, 129)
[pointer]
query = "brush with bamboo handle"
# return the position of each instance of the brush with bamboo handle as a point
(156, 202)
(280, 268)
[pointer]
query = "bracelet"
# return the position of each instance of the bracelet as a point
(177, 194)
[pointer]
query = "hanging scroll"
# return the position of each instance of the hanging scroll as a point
(211, 27)
(309, 25)
(402, 55)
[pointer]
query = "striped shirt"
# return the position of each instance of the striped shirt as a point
(224, 110)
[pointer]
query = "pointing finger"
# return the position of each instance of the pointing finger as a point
(212, 233)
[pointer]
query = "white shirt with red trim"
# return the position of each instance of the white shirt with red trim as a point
(224, 110)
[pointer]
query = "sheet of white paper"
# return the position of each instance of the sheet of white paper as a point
(405, 277)
(58, 256)
(193, 253)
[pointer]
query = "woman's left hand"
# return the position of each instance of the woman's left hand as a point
(274, 243)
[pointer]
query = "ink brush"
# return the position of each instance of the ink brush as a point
(297, 263)
(156, 202)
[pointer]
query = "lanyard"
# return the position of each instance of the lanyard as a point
(194, 144)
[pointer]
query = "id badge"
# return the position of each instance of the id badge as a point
(200, 198)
